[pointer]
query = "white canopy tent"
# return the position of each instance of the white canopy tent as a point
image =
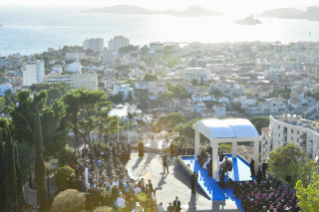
(226, 131)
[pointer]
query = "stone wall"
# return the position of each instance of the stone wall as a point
(30, 195)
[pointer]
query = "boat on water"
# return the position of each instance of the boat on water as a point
(248, 21)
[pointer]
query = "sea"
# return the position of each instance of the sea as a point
(30, 30)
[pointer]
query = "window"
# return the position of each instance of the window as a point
(292, 130)
(297, 132)
(298, 140)
(291, 138)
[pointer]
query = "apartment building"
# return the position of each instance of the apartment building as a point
(88, 80)
(33, 72)
(117, 42)
(199, 73)
(124, 88)
(74, 55)
(291, 128)
(95, 44)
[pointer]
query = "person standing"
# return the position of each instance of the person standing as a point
(170, 208)
(264, 166)
(221, 156)
(160, 207)
(177, 204)
(252, 168)
(141, 149)
(222, 176)
(259, 175)
(165, 164)
(193, 181)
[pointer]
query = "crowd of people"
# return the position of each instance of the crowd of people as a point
(109, 181)
(265, 196)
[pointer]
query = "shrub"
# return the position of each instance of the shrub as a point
(104, 209)
(69, 200)
(67, 155)
(62, 177)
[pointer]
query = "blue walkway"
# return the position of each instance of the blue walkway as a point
(207, 183)
(235, 169)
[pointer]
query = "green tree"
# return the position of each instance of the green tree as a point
(130, 96)
(39, 172)
(131, 82)
(2, 176)
(144, 49)
(9, 97)
(162, 120)
(150, 77)
(171, 63)
(195, 82)
(174, 119)
(11, 176)
(20, 184)
(118, 98)
(280, 160)
(260, 122)
(216, 92)
(177, 91)
(308, 196)
(89, 52)
(2, 103)
(127, 49)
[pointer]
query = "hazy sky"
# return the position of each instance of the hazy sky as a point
(225, 6)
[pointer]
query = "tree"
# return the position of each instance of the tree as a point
(89, 52)
(177, 91)
(127, 49)
(150, 77)
(104, 209)
(175, 118)
(130, 96)
(280, 160)
(9, 96)
(2, 103)
(11, 176)
(39, 172)
(2, 176)
(20, 184)
(216, 92)
(144, 49)
(308, 197)
(171, 63)
(62, 176)
(131, 82)
(162, 120)
(195, 82)
(260, 122)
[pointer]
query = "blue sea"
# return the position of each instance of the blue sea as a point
(30, 30)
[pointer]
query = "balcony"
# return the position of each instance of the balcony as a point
(303, 136)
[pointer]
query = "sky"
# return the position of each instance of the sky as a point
(224, 6)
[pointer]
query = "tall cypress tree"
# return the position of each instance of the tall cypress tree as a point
(40, 178)
(2, 177)
(11, 176)
(20, 185)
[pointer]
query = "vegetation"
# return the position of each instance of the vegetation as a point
(285, 160)
(104, 209)
(40, 176)
(150, 77)
(62, 177)
(2, 176)
(260, 122)
(69, 200)
(127, 49)
(195, 82)
(308, 196)
(225, 146)
(12, 196)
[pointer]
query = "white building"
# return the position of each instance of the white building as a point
(56, 69)
(117, 42)
(33, 73)
(124, 88)
(291, 129)
(75, 55)
(88, 80)
(201, 74)
(220, 110)
(95, 44)
(74, 67)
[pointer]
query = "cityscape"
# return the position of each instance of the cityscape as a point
(163, 126)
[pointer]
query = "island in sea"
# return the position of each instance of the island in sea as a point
(311, 14)
(193, 11)
(248, 21)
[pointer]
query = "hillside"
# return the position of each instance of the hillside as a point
(193, 11)
(282, 13)
(312, 14)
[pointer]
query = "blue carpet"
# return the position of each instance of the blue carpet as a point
(235, 169)
(230, 196)
(207, 183)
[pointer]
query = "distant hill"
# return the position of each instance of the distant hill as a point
(193, 11)
(312, 14)
(283, 13)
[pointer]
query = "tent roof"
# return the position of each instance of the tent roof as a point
(226, 128)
